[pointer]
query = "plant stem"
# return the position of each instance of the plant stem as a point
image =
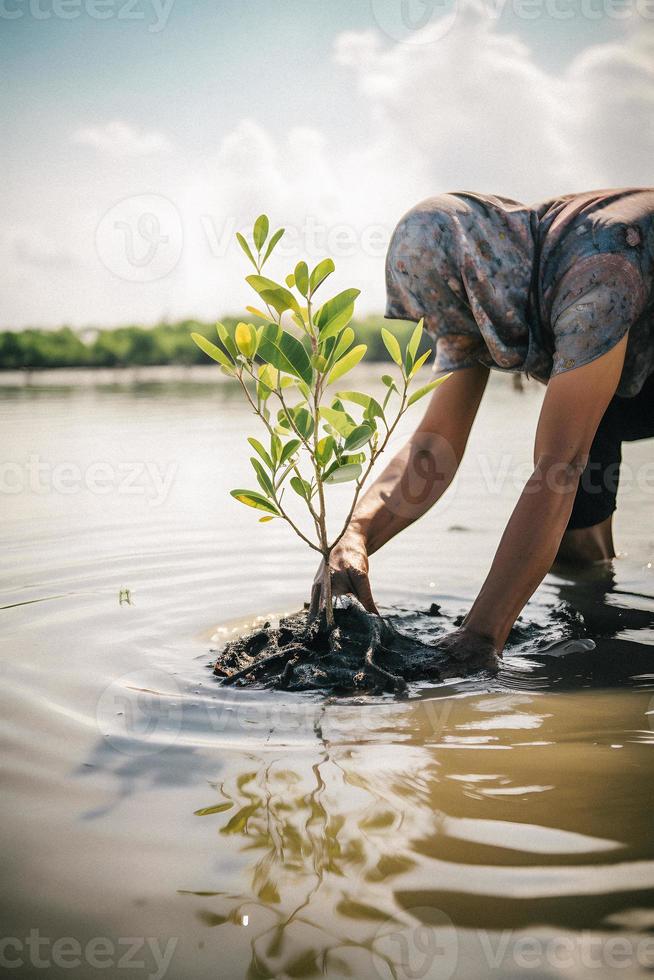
(327, 591)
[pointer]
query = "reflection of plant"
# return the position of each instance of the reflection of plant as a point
(312, 442)
(305, 854)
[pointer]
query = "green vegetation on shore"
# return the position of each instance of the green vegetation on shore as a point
(165, 343)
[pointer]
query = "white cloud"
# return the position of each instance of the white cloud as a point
(32, 248)
(470, 110)
(120, 139)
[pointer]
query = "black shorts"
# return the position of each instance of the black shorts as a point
(625, 420)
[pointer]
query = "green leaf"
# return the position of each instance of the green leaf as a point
(284, 352)
(359, 437)
(263, 479)
(274, 294)
(302, 277)
(275, 449)
(290, 280)
(239, 821)
(227, 340)
(303, 422)
(268, 381)
(320, 273)
(343, 474)
(418, 364)
(277, 298)
(371, 405)
(252, 498)
(291, 447)
(336, 313)
(301, 487)
(256, 445)
(208, 810)
(325, 450)
(346, 363)
(245, 336)
(414, 343)
(388, 381)
(260, 232)
(338, 421)
(271, 245)
(344, 342)
(246, 248)
(391, 344)
(215, 352)
(421, 392)
(256, 312)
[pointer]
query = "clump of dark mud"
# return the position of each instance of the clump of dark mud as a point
(363, 654)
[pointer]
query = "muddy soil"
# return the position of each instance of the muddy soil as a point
(363, 654)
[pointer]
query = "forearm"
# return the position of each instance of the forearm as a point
(412, 483)
(527, 549)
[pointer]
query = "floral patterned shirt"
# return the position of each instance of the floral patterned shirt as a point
(541, 289)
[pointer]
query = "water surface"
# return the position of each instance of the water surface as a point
(479, 828)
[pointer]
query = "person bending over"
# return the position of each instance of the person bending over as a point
(562, 292)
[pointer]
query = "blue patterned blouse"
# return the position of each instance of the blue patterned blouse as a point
(541, 289)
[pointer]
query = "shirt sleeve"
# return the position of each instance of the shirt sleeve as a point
(456, 351)
(596, 303)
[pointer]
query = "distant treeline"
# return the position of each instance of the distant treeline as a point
(166, 343)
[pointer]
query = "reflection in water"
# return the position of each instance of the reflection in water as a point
(471, 821)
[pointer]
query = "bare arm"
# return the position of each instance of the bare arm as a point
(572, 409)
(411, 483)
(424, 468)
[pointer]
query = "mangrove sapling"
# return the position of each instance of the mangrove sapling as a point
(291, 361)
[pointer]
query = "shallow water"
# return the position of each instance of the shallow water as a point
(479, 828)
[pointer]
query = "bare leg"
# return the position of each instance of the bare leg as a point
(585, 545)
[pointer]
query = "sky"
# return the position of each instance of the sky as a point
(140, 135)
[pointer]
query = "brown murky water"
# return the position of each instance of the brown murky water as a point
(155, 825)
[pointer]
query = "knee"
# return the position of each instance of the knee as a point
(587, 545)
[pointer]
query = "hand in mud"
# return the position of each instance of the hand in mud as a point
(349, 571)
(471, 648)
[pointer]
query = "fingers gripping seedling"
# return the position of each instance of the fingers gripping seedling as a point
(288, 361)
